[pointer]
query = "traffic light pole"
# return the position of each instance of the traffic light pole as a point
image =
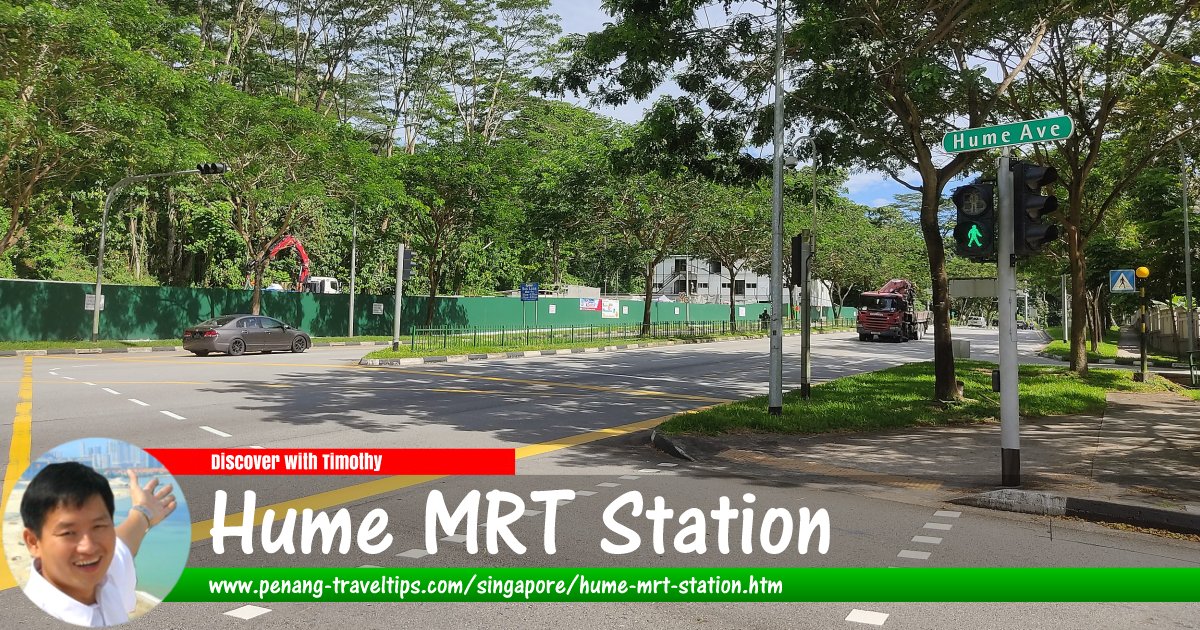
(400, 297)
(806, 314)
(1006, 296)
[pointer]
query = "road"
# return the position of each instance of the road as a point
(323, 398)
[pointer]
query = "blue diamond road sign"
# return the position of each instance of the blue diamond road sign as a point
(1122, 281)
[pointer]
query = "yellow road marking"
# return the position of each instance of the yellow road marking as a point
(341, 496)
(18, 450)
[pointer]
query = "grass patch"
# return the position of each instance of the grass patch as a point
(1106, 349)
(454, 348)
(900, 397)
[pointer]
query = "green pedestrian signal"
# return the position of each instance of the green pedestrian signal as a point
(974, 237)
(975, 231)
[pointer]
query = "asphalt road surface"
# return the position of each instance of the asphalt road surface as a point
(324, 399)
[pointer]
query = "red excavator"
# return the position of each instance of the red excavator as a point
(303, 283)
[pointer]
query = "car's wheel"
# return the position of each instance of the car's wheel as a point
(267, 351)
(237, 347)
(862, 337)
(299, 344)
(200, 353)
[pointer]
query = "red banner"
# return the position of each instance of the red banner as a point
(337, 461)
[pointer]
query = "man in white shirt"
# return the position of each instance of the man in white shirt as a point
(83, 571)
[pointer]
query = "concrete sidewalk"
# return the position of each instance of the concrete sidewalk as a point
(1138, 463)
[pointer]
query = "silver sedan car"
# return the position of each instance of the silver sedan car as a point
(238, 334)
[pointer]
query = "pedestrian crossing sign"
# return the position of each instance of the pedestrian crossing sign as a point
(1122, 281)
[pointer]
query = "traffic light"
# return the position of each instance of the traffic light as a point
(1030, 205)
(211, 168)
(975, 231)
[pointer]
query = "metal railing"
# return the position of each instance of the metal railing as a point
(422, 339)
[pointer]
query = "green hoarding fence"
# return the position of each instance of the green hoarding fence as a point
(33, 310)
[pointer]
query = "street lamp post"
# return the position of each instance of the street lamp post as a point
(1143, 273)
(775, 385)
(201, 169)
(353, 265)
(1187, 255)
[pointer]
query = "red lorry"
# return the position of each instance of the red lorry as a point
(892, 312)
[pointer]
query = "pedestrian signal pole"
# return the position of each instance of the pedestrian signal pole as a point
(1006, 296)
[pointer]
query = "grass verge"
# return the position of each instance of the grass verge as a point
(899, 397)
(1106, 349)
(406, 352)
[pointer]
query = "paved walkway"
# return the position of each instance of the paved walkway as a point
(1129, 344)
(1144, 451)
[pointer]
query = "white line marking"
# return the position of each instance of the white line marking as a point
(928, 540)
(138, 402)
(649, 470)
(456, 538)
(172, 415)
(413, 553)
(256, 446)
(947, 513)
(867, 617)
(941, 526)
(370, 566)
(54, 374)
(215, 432)
(668, 464)
(629, 477)
(607, 484)
(531, 512)
(111, 391)
(89, 383)
(584, 493)
(914, 555)
(248, 612)
(69, 378)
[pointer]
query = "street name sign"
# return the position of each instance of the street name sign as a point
(1044, 130)
(1122, 281)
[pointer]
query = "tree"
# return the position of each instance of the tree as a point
(729, 228)
(1111, 82)
(653, 215)
(874, 108)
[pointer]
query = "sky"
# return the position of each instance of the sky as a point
(584, 16)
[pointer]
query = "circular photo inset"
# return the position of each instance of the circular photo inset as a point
(96, 532)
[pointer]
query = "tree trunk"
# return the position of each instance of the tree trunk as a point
(256, 298)
(945, 384)
(1079, 315)
(433, 283)
(649, 298)
(732, 300)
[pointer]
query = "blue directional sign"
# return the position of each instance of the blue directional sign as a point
(529, 291)
(1122, 281)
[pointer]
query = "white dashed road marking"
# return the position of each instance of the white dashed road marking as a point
(867, 617)
(215, 432)
(455, 538)
(413, 553)
(914, 555)
(69, 378)
(172, 415)
(668, 464)
(138, 402)
(929, 540)
(947, 514)
(248, 612)
(584, 493)
(629, 477)
(89, 383)
(607, 484)
(111, 391)
(531, 512)
(941, 526)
